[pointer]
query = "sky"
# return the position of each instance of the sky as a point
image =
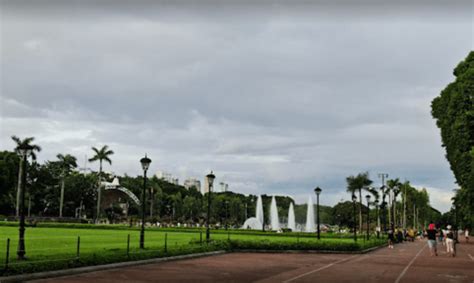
(274, 97)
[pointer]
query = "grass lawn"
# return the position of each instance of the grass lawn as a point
(46, 245)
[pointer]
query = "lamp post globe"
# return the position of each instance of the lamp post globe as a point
(210, 181)
(145, 161)
(25, 151)
(317, 191)
(354, 199)
(367, 197)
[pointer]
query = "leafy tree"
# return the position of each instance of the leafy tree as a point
(9, 164)
(453, 111)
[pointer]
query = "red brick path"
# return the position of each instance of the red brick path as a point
(408, 262)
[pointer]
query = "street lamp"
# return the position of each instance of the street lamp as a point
(25, 151)
(226, 213)
(354, 199)
(145, 161)
(210, 180)
(383, 209)
(368, 214)
(377, 217)
(318, 191)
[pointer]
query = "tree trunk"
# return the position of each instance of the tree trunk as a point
(405, 208)
(389, 210)
(99, 192)
(61, 200)
(20, 175)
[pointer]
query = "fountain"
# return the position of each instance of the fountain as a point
(255, 223)
(274, 221)
(310, 227)
(291, 218)
(259, 212)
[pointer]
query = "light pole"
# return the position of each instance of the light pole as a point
(25, 151)
(210, 180)
(145, 161)
(383, 176)
(226, 213)
(377, 217)
(318, 191)
(368, 215)
(354, 199)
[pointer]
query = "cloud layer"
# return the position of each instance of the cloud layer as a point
(273, 98)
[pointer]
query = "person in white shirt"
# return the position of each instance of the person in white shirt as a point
(466, 234)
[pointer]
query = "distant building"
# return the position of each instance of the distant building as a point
(165, 176)
(192, 182)
(205, 188)
(224, 187)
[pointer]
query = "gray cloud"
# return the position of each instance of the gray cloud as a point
(276, 98)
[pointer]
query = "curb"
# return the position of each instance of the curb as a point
(72, 271)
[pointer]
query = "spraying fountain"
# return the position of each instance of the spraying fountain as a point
(310, 226)
(274, 221)
(291, 218)
(255, 223)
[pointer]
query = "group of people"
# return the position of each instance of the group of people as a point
(448, 237)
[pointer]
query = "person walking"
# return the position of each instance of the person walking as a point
(466, 234)
(431, 234)
(449, 239)
(391, 239)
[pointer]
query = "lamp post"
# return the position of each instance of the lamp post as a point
(383, 209)
(25, 151)
(377, 217)
(226, 213)
(210, 180)
(354, 199)
(145, 161)
(368, 215)
(318, 191)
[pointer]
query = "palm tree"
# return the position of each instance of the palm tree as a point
(35, 148)
(66, 163)
(358, 183)
(375, 193)
(101, 155)
(394, 186)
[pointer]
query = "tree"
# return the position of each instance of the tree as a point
(35, 148)
(453, 111)
(101, 155)
(394, 186)
(358, 183)
(66, 163)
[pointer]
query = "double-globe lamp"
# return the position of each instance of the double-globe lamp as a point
(367, 197)
(354, 199)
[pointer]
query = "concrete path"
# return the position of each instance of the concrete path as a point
(408, 262)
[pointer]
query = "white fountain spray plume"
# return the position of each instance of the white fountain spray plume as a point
(274, 221)
(259, 211)
(310, 227)
(291, 218)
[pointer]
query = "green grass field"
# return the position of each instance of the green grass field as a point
(55, 248)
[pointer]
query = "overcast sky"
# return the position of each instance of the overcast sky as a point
(276, 98)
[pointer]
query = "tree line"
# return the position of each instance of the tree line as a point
(57, 188)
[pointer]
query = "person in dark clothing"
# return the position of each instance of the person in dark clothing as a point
(391, 239)
(431, 235)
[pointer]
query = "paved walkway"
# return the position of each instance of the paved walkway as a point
(408, 262)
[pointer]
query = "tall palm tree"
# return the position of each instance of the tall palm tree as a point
(394, 186)
(35, 148)
(101, 155)
(375, 193)
(66, 163)
(358, 183)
